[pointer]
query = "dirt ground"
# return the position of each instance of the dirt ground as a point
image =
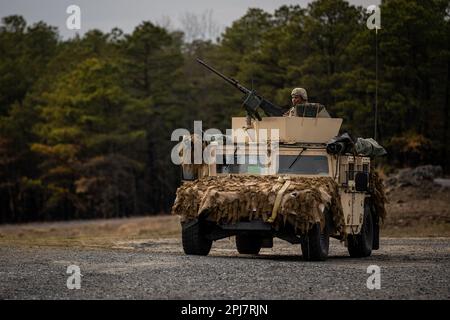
(142, 258)
(91, 233)
(418, 212)
(410, 268)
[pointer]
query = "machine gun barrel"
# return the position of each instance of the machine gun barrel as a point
(231, 81)
(252, 101)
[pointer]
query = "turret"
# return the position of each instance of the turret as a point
(294, 129)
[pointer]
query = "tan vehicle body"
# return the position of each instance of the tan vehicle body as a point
(299, 138)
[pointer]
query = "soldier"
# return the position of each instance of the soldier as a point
(302, 108)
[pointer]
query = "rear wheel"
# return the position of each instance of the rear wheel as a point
(316, 243)
(195, 241)
(248, 244)
(360, 245)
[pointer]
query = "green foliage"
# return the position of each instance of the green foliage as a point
(85, 123)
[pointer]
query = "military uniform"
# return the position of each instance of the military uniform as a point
(306, 109)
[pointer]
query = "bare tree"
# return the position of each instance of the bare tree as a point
(165, 22)
(199, 26)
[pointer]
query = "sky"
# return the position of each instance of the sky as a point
(127, 14)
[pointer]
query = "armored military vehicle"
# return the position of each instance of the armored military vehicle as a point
(314, 185)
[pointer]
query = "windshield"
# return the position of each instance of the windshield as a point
(250, 165)
(317, 165)
(308, 165)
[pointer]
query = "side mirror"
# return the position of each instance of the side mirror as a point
(361, 181)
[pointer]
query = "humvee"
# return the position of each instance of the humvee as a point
(302, 155)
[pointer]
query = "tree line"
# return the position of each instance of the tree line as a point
(85, 123)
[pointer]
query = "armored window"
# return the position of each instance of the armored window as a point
(314, 165)
(242, 164)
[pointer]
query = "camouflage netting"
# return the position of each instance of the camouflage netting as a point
(237, 197)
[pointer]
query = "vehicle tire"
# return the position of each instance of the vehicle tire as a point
(195, 241)
(316, 243)
(248, 244)
(360, 245)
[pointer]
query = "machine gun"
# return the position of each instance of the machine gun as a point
(252, 100)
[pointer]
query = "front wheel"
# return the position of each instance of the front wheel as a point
(195, 241)
(316, 243)
(360, 245)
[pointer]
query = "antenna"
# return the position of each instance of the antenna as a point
(375, 133)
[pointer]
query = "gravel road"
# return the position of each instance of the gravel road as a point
(157, 269)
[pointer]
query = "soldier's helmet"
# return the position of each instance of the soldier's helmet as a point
(300, 92)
